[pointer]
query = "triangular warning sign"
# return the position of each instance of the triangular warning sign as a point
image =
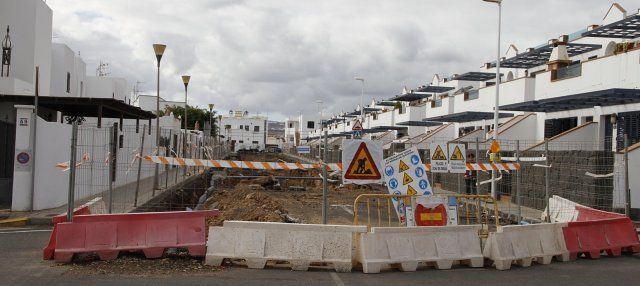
(362, 166)
(403, 166)
(357, 125)
(438, 154)
(406, 179)
(457, 155)
(411, 191)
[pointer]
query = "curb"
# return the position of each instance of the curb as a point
(14, 222)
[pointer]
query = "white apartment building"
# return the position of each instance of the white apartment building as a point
(573, 80)
(297, 128)
(148, 102)
(244, 131)
(577, 87)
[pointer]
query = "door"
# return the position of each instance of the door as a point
(7, 145)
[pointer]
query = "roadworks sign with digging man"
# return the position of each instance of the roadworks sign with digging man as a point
(362, 159)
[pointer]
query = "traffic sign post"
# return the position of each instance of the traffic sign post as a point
(439, 160)
(405, 175)
(457, 158)
(362, 159)
(357, 129)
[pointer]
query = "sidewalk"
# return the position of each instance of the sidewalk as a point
(123, 198)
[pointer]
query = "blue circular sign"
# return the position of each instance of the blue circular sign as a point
(424, 184)
(419, 172)
(23, 158)
(389, 171)
(396, 193)
(393, 183)
(415, 159)
(401, 207)
(426, 193)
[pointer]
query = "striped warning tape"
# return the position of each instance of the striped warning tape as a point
(238, 164)
(296, 166)
(488, 166)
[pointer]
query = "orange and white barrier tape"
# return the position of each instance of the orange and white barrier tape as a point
(64, 166)
(488, 166)
(296, 166)
(238, 164)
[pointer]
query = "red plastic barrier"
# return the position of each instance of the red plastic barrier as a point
(151, 233)
(589, 214)
(47, 252)
(614, 236)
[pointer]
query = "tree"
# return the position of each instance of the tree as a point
(200, 115)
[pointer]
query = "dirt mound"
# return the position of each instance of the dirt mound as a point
(247, 204)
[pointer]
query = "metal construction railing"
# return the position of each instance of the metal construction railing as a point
(471, 209)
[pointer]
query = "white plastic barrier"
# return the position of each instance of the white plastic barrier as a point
(385, 247)
(299, 244)
(562, 210)
(526, 243)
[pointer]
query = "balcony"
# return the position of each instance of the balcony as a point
(614, 71)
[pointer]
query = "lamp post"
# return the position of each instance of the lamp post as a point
(158, 49)
(496, 109)
(361, 79)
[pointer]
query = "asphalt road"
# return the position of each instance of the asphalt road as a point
(21, 264)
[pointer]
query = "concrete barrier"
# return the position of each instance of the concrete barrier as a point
(524, 244)
(299, 244)
(405, 248)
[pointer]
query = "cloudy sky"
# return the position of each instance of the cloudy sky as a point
(278, 57)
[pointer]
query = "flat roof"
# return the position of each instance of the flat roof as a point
(409, 97)
(606, 97)
(540, 55)
(434, 89)
(467, 116)
(476, 76)
(385, 103)
(627, 28)
(419, 123)
(385, 128)
(83, 106)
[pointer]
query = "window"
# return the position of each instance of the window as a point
(241, 127)
(348, 123)
(375, 116)
(589, 119)
(290, 125)
(241, 141)
(311, 124)
(436, 103)
(246, 128)
(471, 95)
(68, 82)
(254, 142)
(256, 128)
(227, 126)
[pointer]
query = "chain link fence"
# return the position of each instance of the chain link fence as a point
(110, 164)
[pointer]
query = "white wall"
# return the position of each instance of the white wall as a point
(64, 61)
(246, 136)
(30, 22)
(107, 87)
(618, 71)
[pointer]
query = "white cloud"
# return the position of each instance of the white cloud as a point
(279, 57)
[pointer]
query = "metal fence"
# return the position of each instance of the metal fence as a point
(585, 172)
(109, 164)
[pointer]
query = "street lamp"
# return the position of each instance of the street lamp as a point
(361, 99)
(496, 109)
(158, 49)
